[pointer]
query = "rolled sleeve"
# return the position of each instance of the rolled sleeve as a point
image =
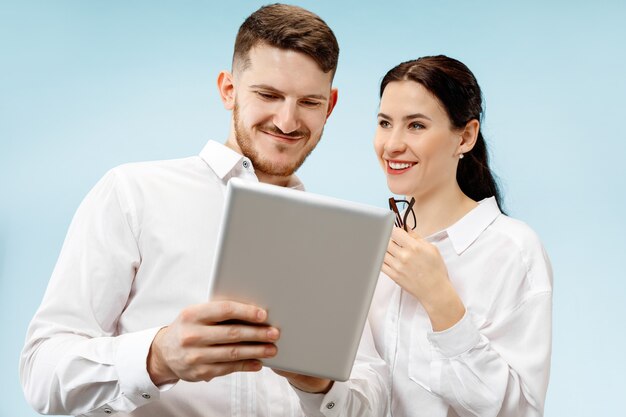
(456, 340)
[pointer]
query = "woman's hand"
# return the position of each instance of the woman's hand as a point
(417, 266)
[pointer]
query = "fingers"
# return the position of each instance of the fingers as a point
(236, 333)
(403, 238)
(217, 311)
(402, 250)
(236, 353)
(212, 339)
(392, 264)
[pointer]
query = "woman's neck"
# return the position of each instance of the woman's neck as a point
(440, 210)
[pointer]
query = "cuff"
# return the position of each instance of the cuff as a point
(327, 404)
(131, 365)
(456, 340)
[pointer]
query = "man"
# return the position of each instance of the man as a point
(124, 325)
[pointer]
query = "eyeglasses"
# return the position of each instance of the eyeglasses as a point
(406, 207)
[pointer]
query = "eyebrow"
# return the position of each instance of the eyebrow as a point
(270, 88)
(408, 117)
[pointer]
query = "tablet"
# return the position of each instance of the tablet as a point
(312, 261)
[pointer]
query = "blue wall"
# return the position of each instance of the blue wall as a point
(87, 85)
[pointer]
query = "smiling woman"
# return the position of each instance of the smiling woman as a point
(462, 316)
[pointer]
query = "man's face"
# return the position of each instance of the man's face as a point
(280, 104)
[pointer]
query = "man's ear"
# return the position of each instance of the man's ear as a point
(469, 136)
(227, 89)
(332, 101)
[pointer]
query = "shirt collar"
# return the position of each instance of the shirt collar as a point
(224, 161)
(464, 232)
(220, 158)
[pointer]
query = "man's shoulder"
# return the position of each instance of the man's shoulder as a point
(149, 168)
(159, 171)
(153, 178)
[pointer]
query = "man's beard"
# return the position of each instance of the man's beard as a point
(264, 165)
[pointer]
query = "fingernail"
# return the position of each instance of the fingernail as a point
(270, 351)
(253, 366)
(261, 315)
(272, 333)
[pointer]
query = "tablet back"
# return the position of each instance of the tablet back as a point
(312, 261)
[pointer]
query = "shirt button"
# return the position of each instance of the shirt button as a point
(146, 396)
(330, 405)
(246, 164)
(107, 411)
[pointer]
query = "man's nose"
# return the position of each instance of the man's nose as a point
(286, 117)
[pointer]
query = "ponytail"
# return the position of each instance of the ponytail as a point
(474, 175)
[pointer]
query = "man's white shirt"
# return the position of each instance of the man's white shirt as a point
(139, 250)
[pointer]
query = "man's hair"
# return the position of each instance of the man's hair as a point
(287, 27)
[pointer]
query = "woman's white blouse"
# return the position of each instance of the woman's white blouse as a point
(496, 360)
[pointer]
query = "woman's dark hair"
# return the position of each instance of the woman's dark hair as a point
(456, 88)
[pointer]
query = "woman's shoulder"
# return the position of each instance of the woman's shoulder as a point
(520, 237)
(516, 230)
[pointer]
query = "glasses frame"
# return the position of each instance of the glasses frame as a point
(401, 220)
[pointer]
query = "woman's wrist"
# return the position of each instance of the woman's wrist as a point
(445, 308)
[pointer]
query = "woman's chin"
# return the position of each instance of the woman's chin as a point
(397, 189)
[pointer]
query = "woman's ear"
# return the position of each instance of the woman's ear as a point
(226, 89)
(469, 135)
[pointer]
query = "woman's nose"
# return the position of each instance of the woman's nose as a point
(395, 142)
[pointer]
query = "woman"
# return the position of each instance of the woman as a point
(463, 315)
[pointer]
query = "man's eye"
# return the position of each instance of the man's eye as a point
(309, 103)
(266, 96)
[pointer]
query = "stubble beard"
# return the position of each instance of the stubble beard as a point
(262, 164)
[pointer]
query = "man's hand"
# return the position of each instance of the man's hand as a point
(307, 383)
(198, 347)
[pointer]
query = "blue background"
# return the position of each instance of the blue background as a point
(87, 85)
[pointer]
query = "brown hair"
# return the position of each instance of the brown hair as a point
(458, 92)
(287, 27)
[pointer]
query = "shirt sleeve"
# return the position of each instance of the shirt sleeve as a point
(500, 368)
(73, 362)
(364, 394)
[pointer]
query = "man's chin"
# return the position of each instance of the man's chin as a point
(285, 162)
(276, 169)
(276, 159)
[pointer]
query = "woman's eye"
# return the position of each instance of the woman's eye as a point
(416, 126)
(384, 124)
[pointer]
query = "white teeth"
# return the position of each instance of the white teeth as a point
(399, 165)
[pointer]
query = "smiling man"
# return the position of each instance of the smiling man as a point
(278, 117)
(124, 326)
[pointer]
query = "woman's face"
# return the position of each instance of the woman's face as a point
(415, 143)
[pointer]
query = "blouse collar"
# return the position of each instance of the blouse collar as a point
(465, 231)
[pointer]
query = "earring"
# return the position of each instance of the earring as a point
(461, 156)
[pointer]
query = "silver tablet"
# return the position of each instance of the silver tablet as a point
(312, 261)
